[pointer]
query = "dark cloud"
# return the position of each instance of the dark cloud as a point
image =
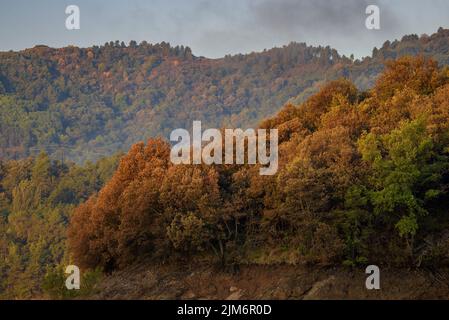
(345, 17)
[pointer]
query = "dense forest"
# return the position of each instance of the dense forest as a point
(363, 160)
(37, 197)
(363, 179)
(85, 103)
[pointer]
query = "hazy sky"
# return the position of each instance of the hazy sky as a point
(214, 28)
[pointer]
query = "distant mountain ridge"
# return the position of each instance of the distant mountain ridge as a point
(83, 103)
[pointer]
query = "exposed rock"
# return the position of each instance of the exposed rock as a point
(280, 294)
(236, 295)
(188, 295)
(320, 287)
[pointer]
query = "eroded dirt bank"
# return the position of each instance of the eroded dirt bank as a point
(144, 281)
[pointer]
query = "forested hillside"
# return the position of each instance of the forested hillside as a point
(37, 197)
(83, 103)
(363, 174)
(363, 178)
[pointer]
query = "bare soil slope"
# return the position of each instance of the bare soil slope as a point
(274, 282)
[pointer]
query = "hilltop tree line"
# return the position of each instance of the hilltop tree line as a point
(84, 103)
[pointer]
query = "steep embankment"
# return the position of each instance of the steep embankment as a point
(144, 281)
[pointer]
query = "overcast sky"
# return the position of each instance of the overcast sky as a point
(214, 28)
